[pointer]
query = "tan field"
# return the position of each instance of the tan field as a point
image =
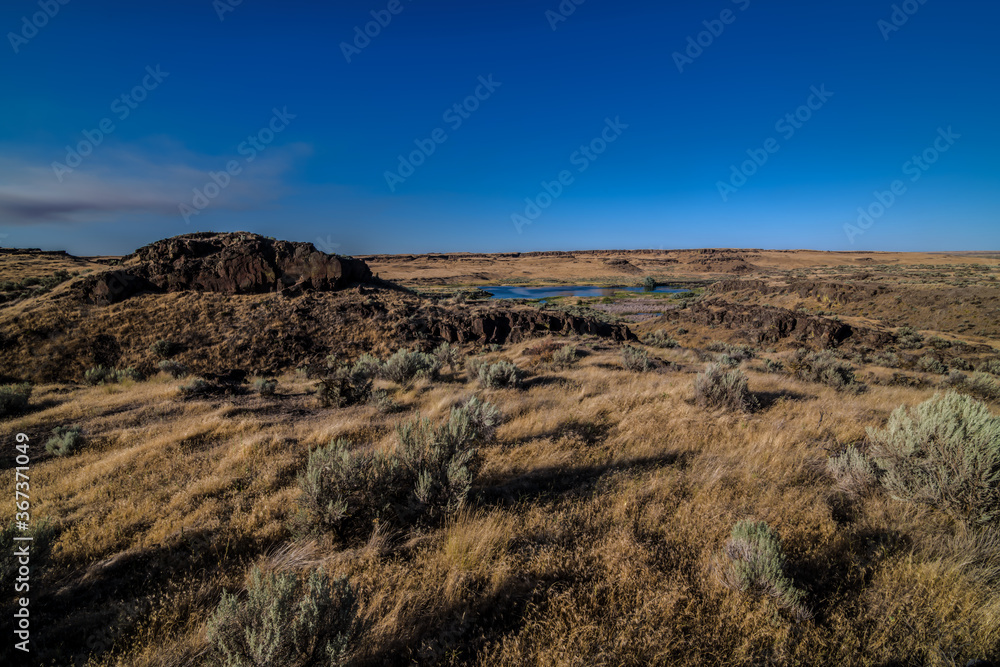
(595, 531)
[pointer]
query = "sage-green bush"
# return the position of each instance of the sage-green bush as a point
(14, 398)
(718, 386)
(754, 562)
(285, 620)
(945, 452)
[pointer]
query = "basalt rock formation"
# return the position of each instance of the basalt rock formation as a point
(514, 325)
(236, 263)
(768, 324)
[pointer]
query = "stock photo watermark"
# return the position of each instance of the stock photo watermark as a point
(31, 25)
(901, 14)
(218, 181)
(122, 107)
(455, 116)
(787, 125)
(714, 28)
(914, 168)
(581, 158)
(363, 37)
(561, 13)
(223, 7)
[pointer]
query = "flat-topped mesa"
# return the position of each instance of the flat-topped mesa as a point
(234, 263)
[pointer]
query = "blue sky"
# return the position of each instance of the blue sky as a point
(643, 127)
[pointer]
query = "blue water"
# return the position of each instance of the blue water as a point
(504, 292)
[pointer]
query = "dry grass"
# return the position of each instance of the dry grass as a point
(590, 539)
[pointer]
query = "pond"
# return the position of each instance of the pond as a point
(508, 292)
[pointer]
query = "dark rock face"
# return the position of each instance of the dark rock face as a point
(235, 263)
(767, 324)
(512, 326)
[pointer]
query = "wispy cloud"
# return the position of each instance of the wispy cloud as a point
(153, 178)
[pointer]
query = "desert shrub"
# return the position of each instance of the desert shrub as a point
(854, 472)
(344, 387)
(771, 366)
(718, 387)
(382, 400)
(265, 386)
(427, 476)
(754, 562)
(367, 367)
(736, 352)
(660, 338)
(99, 375)
(174, 368)
(130, 374)
(944, 452)
(483, 418)
(284, 620)
(728, 361)
(929, 364)
(939, 343)
(472, 367)
(649, 284)
(983, 386)
(65, 440)
(104, 375)
(196, 387)
(565, 356)
(347, 491)
(448, 355)
(635, 359)
(14, 398)
(909, 338)
(405, 366)
(501, 375)
(824, 368)
(991, 366)
(164, 349)
(887, 360)
(444, 459)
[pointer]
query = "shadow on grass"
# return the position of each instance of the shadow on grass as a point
(103, 604)
(768, 399)
(541, 483)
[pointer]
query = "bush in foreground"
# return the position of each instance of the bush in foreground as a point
(448, 355)
(721, 387)
(501, 375)
(344, 387)
(65, 440)
(660, 338)
(174, 369)
(825, 368)
(635, 359)
(347, 490)
(565, 356)
(405, 366)
(945, 453)
(265, 386)
(285, 620)
(754, 562)
(14, 398)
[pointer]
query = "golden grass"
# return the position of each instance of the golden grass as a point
(592, 537)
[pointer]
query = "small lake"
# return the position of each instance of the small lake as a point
(505, 292)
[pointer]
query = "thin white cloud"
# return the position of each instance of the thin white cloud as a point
(153, 178)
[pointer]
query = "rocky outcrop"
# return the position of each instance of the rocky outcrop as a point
(237, 263)
(766, 324)
(821, 290)
(512, 326)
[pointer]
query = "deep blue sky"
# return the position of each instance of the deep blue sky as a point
(656, 186)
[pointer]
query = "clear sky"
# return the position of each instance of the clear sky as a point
(502, 125)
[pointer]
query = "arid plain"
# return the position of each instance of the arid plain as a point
(685, 478)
